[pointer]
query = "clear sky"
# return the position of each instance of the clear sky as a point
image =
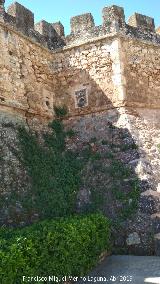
(63, 10)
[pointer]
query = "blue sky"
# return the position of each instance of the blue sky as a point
(63, 10)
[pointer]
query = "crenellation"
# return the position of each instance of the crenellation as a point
(24, 17)
(113, 16)
(142, 22)
(83, 28)
(59, 28)
(82, 23)
(46, 29)
(35, 36)
(51, 37)
(108, 77)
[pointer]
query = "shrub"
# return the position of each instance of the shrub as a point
(61, 247)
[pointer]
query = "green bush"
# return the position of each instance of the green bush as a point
(60, 247)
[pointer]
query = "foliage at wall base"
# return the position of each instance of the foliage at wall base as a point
(60, 247)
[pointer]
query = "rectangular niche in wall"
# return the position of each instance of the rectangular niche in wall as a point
(81, 98)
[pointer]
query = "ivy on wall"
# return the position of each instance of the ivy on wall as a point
(57, 174)
(54, 171)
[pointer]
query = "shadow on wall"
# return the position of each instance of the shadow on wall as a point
(109, 179)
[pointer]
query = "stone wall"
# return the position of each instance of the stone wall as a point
(106, 76)
(119, 128)
(94, 68)
(142, 61)
(33, 79)
(99, 72)
(14, 182)
(129, 125)
(27, 80)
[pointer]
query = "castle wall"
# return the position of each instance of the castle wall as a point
(89, 74)
(94, 67)
(33, 79)
(121, 127)
(108, 77)
(27, 80)
(142, 73)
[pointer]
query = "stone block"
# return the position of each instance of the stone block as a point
(46, 29)
(59, 28)
(82, 23)
(112, 14)
(24, 17)
(141, 21)
(133, 239)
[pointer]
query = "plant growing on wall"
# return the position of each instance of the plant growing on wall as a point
(54, 171)
(57, 174)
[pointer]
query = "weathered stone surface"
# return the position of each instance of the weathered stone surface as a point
(113, 15)
(81, 23)
(83, 27)
(141, 21)
(59, 28)
(45, 28)
(24, 17)
(133, 239)
(108, 77)
(14, 180)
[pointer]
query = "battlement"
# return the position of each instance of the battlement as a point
(141, 21)
(82, 23)
(51, 35)
(24, 18)
(113, 14)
